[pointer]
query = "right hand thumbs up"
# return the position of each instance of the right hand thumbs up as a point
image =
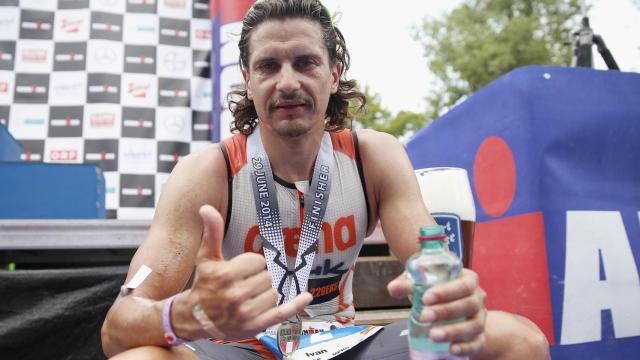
(236, 294)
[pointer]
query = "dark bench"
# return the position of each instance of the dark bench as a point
(373, 304)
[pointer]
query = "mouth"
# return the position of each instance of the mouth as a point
(289, 106)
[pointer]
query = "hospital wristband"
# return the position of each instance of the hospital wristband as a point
(169, 335)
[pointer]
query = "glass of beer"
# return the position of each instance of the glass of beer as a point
(446, 192)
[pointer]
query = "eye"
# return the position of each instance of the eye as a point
(267, 66)
(305, 63)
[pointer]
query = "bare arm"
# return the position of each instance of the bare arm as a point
(169, 250)
(484, 334)
(187, 231)
(393, 191)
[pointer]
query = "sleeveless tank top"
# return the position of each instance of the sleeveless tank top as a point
(343, 230)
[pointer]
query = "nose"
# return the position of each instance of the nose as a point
(288, 81)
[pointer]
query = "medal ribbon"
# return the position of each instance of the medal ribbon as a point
(289, 283)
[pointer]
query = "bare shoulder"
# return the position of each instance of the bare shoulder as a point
(372, 142)
(204, 165)
(383, 156)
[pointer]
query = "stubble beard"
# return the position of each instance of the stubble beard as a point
(291, 129)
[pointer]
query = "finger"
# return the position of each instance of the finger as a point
(461, 287)
(471, 348)
(463, 331)
(211, 247)
(399, 287)
(283, 312)
(247, 264)
(257, 305)
(250, 287)
(466, 307)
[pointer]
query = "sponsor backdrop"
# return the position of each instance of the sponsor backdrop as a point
(552, 155)
(124, 83)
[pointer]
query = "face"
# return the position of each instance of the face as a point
(289, 76)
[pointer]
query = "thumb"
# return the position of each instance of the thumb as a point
(399, 287)
(211, 246)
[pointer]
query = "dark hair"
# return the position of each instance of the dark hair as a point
(243, 109)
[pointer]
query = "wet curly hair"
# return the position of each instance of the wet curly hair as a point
(342, 105)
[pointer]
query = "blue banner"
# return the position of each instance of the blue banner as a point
(552, 155)
(10, 148)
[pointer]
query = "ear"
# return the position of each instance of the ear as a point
(247, 84)
(336, 74)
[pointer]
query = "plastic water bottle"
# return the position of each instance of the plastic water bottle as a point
(430, 266)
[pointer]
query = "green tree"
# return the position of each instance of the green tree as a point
(377, 117)
(484, 39)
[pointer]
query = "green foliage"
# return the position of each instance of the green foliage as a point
(376, 117)
(484, 39)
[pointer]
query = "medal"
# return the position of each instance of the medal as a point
(288, 336)
(289, 282)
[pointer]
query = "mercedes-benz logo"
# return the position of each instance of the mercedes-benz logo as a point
(173, 61)
(105, 55)
(174, 123)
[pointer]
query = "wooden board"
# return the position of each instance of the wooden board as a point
(381, 317)
(370, 283)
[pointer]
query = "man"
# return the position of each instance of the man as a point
(293, 61)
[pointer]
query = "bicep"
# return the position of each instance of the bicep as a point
(400, 207)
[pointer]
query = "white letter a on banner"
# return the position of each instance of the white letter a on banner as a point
(591, 235)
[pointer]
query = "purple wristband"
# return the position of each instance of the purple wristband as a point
(169, 335)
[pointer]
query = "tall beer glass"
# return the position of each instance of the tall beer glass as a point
(447, 194)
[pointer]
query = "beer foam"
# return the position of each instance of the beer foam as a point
(447, 190)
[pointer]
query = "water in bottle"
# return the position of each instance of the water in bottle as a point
(430, 266)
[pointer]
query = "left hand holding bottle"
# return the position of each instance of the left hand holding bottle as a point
(459, 298)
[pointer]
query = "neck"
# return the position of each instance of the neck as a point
(292, 158)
